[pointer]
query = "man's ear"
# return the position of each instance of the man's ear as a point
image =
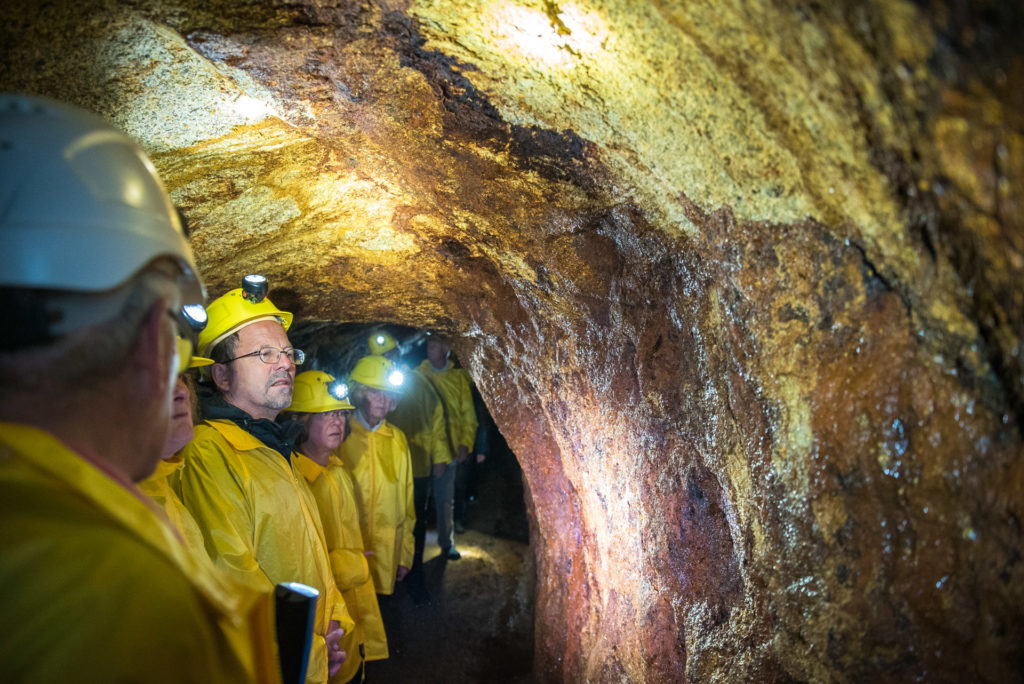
(150, 354)
(221, 376)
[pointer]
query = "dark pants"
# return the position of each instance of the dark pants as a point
(466, 483)
(421, 487)
(391, 616)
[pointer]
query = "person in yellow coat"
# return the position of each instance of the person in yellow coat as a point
(258, 516)
(420, 416)
(376, 455)
(453, 385)
(321, 406)
(95, 584)
(164, 484)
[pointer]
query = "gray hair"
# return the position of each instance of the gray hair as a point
(225, 349)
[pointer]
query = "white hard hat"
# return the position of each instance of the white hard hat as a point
(81, 206)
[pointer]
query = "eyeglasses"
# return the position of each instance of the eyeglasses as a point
(271, 355)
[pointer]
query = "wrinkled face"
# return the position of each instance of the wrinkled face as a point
(260, 389)
(326, 430)
(180, 432)
(375, 405)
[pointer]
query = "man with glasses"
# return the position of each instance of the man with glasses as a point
(94, 271)
(258, 516)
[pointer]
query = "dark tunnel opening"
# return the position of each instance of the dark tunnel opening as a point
(477, 625)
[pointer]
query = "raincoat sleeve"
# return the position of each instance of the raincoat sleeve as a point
(217, 500)
(350, 568)
(463, 414)
(338, 608)
(408, 544)
(439, 451)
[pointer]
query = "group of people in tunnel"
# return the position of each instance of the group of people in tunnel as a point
(168, 481)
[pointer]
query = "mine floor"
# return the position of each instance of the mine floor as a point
(478, 626)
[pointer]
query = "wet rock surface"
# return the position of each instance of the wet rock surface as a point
(740, 285)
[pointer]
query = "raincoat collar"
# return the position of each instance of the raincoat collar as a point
(167, 467)
(309, 468)
(383, 428)
(365, 424)
(131, 509)
(280, 438)
(427, 366)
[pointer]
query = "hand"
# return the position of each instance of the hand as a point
(462, 454)
(335, 656)
(439, 469)
(481, 457)
(402, 572)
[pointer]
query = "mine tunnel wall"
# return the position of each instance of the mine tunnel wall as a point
(740, 285)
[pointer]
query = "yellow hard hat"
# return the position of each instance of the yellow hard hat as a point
(186, 359)
(381, 343)
(235, 310)
(379, 373)
(318, 392)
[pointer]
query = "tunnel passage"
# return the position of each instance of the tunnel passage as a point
(739, 283)
(477, 622)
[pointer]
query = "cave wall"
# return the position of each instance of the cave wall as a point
(739, 283)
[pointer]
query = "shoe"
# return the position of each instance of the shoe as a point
(459, 527)
(451, 554)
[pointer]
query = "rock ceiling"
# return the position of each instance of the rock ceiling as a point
(739, 281)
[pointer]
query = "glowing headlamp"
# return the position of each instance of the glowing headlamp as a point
(254, 288)
(338, 390)
(396, 378)
(196, 316)
(380, 339)
(190, 320)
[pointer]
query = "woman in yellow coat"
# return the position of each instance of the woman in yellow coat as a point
(323, 415)
(376, 455)
(163, 485)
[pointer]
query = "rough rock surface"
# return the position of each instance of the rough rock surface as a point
(738, 280)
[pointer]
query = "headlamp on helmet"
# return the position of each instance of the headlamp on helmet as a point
(238, 308)
(338, 390)
(196, 316)
(190, 320)
(254, 288)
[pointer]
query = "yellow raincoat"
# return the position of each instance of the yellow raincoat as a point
(379, 465)
(162, 487)
(454, 386)
(260, 521)
(335, 497)
(98, 587)
(420, 417)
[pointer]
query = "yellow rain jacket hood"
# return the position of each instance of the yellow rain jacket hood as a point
(260, 521)
(379, 464)
(100, 587)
